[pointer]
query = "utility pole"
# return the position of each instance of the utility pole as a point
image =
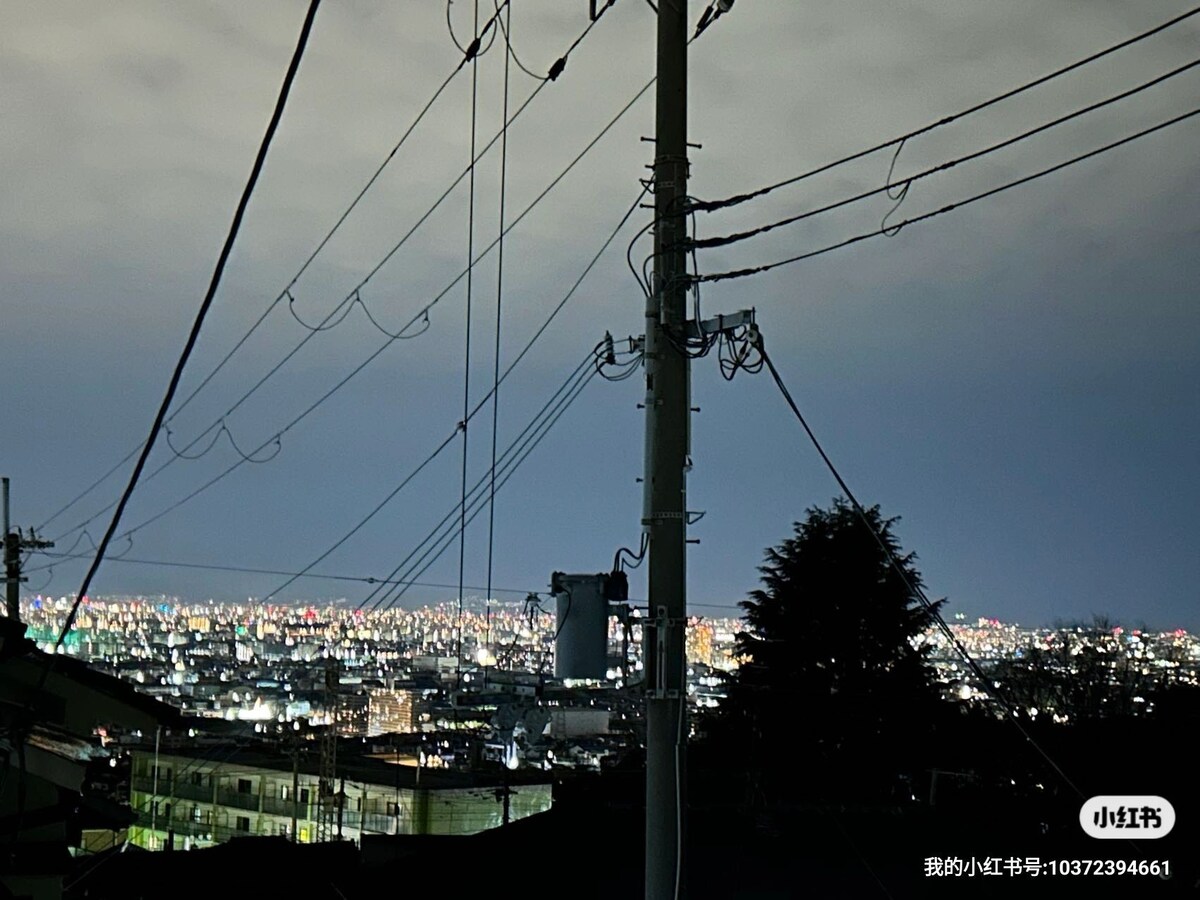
(12, 564)
(328, 813)
(666, 462)
(14, 543)
(295, 790)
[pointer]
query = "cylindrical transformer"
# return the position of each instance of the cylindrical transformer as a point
(581, 636)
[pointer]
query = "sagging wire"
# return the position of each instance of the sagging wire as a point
(713, 205)
(512, 53)
(693, 346)
(70, 553)
(951, 207)
(182, 454)
(83, 534)
(555, 71)
(277, 441)
(888, 185)
(532, 606)
(224, 429)
(356, 299)
(566, 613)
(641, 279)
(399, 335)
(608, 357)
(473, 50)
(295, 278)
(636, 559)
(325, 324)
(508, 371)
(740, 352)
(46, 583)
(901, 191)
(914, 586)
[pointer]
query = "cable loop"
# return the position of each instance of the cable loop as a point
(182, 454)
(276, 441)
(325, 324)
(399, 335)
(472, 51)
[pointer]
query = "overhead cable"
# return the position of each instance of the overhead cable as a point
(712, 205)
(706, 243)
(511, 461)
(466, 400)
(420, 315)
(491, 541)
(742, 273)
(478, 406)
(214, 283)
(914, 587)
(250, 570)
(286, 292)
(564, 387)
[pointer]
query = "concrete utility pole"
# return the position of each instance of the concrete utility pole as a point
(666, 463)
(12, 564)
(14, 543)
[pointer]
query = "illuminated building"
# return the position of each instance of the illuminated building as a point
(392, 711)
(190, 801)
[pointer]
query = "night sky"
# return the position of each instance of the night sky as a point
(1016, 380)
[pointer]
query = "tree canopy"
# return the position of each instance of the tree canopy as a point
(832, 670)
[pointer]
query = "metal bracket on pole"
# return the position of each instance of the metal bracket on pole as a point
(720, 324)
(660, 624)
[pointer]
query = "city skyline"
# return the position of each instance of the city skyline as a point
(1015, 381)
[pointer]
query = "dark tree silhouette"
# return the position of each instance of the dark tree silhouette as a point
(1079, 673)
(834, 689)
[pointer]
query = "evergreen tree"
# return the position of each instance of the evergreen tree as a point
(833, 677)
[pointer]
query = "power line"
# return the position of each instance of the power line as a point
(890, 230)
(483, 400)
(508, 56)
(293, 67)
(713, 205)
(506, 30)
(905, 183)
(530, 442)
(286, 292)
(249, 570)
(511, 470)
(422, 313)
(914, 588)
(353, 531)
(478, 33)
(466, 401)
(536, 418)
(511, 459)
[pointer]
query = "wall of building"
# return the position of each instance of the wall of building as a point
(204, 802)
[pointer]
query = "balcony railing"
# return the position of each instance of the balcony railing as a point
(188, 791)
(279, 807)
(222, 833)
(237, 800)
(379, 823)
(142, 784)
(179, 826)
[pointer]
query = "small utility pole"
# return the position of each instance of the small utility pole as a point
(14, 543)
(12, 564)
(295, 790)
(666, 462)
